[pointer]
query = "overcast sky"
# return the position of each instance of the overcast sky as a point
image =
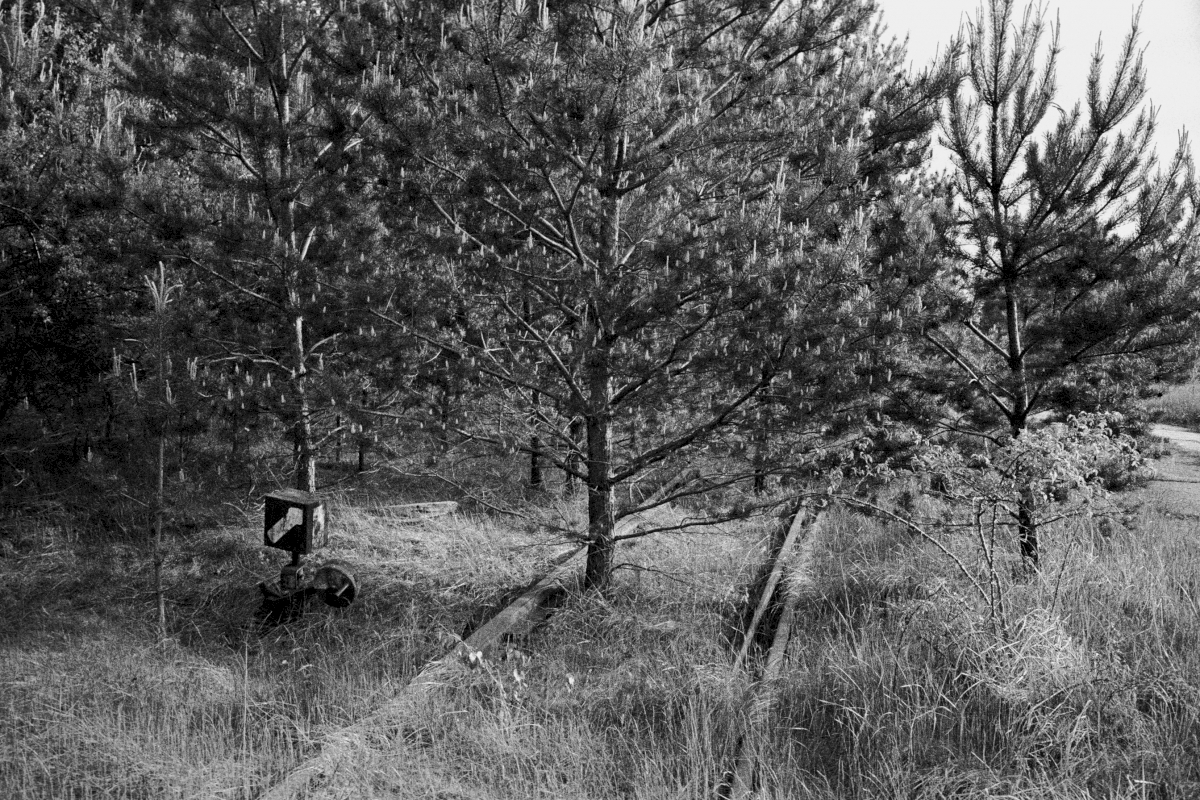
(1170, 34)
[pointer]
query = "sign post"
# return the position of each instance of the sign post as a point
(294, 521)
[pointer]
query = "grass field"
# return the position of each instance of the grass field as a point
(899, 685)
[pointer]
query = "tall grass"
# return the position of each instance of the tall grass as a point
(629, 696)
(907, 691)
(92, 708)
(898, 683)
(1178, 405)
(899, 686)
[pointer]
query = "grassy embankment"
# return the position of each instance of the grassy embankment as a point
(898, 685)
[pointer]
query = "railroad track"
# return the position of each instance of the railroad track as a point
(788, 580)
(519, 617)
(532, 607)
(522, 614)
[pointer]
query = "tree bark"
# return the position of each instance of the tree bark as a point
(575, 432)
(1027, 525)
(445, 412)
(306, 456)
(1027, 530)
(601, 505)
(159, 509)
(761, 441)
(535, 447)
(160, 496)
(1018, 380)
(601, 496)
(363, 442)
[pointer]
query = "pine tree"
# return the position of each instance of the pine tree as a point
(613, 196)
(256, 102)
(1075, 250)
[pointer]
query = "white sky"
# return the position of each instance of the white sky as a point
(1169, 32)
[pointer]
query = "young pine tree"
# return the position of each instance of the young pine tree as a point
(613, 187)
(1075, 249)
(255, 103)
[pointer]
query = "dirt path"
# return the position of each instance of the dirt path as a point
(1176, 488)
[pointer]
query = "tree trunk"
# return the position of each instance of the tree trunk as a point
(445, 412)
(575, 433)
(760, 451)
(160, 496)
(306, 456)
(159, 506)
(535, 447)
(110, 408)
(282, 200)
(1018, 380)
(181, 443)
(535, 463)
(599, 417)
(601, 505)
(363, 442)
(235, 424)
(1027, 528)
(601, 500)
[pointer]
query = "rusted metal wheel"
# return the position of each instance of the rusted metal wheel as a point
(336, 584)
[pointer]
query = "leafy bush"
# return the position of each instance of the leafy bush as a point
(1069, 465)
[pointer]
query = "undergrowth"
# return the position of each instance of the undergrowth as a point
(93, 707)
(897, 683)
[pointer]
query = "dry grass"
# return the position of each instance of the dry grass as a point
(1178, 405)
(898, 684)
(630, 696)
(904, 689)
(95, 708)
